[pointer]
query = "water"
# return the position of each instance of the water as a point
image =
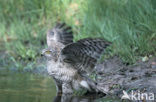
(25, 87)
(28, 87)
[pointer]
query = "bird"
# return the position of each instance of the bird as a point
(66, 78)
(70, 63)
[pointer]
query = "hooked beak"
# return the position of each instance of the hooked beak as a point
(41, 54)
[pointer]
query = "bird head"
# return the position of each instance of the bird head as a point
(49, 54)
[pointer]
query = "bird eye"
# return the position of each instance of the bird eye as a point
(48, 52)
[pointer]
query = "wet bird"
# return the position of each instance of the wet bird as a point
(70, 63)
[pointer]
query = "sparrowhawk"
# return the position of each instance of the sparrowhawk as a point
(70, 63)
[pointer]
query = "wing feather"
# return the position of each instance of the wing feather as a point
(83, 55)
(60, 33)
(65, 34)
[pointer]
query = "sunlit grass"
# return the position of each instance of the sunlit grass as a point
(129, 24)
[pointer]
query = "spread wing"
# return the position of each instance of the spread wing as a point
(66, 36)
(60, 33)
(84, 54)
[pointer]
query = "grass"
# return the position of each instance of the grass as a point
(129, 24)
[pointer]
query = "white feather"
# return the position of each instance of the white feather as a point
(85, 84)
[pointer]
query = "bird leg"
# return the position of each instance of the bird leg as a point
(67, 88)
(58, 85)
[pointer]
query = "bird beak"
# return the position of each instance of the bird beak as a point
(42, 54)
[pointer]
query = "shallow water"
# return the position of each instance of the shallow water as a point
(28, 87)
(25, 87)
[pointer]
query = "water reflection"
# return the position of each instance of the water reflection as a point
(71, 98)
(26, 87)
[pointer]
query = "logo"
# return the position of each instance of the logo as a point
(137, 95)
(125, 96)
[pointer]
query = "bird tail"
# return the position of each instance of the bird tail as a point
(92, 85)
(84, 84)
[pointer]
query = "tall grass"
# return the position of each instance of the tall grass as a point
(129, 24)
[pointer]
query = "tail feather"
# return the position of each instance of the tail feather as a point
(84, 84)
(92, 84)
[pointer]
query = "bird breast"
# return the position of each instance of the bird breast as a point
(61, 72)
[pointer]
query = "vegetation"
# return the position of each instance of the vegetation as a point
(129, 24)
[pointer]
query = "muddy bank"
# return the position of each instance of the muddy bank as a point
(114, 76)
